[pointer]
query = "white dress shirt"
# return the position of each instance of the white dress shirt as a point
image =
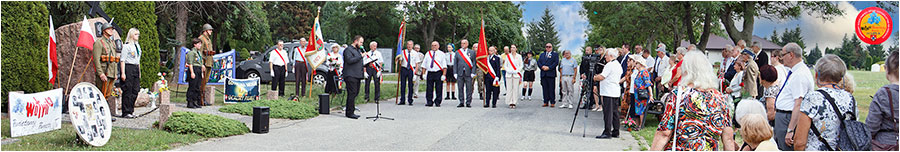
(799, 82)
(610, 84)
(373, 56)
(434, 61)
(661, 65)
(516, 62)
(275, 59)
(408, 55)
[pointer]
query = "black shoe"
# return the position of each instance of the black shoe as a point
(487, 106)
(494, 106)
(437, 105)
(460, 105)
(602, 137)
(353, 116)
(447, 98)
(428, 105)
(410, 104)
(402, 103)
(468, 105)
(615, 135)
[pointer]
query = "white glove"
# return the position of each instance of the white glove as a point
(272, 73)
(365, 75)
(454, 75)
(473, 75)
(443, 78)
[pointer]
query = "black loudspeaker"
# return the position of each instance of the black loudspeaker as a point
(260, 120)
(324, 104)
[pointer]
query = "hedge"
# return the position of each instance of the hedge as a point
(140, 15)
(277, 109)
(24, 47)
(205, 125)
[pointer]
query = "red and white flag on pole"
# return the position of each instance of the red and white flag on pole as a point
(481, 55)
(86, 36)
(52, 66)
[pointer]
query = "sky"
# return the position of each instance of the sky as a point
(571, 26)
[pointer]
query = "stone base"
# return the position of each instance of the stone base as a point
(164, 97)
(114, 103)
(165, 110)
(272, 95)
(211, 95)
(143, 98)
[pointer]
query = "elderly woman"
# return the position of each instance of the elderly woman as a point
(817, 119)
(768, 76)
(608, 79)
(640, 83)
(755, 130)
(697, 115)
(333, 63)
(882, 119)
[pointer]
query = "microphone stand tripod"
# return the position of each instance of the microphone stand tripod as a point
(378, 113)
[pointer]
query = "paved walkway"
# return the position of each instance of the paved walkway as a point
(529, 127)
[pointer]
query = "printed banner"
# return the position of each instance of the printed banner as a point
(90, 114)
(35, 113)
(241, 90)
(223, 67)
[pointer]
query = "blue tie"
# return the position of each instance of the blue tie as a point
(783, 85)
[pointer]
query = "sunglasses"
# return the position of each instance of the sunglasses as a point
(548, 46)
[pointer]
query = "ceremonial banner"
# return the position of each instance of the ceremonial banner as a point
(35, 113)
(241, 90)
(223, 67)
(90, 114)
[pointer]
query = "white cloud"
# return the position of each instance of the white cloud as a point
(570, 25)
(819, 31)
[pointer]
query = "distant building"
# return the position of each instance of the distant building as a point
(717, 43)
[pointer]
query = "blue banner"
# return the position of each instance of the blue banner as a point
(223, 67)
(241, 90)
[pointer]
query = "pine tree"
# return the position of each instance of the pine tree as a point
(542, 32)
(814, 55)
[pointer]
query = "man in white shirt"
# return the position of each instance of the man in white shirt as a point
(373, 64)
(660, 65)
(609, 93)
(799, 81)
(277, 59)
(406, 59)
(420, 72)
(512, 63)
(434, 65)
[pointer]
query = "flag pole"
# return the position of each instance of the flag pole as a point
(309, 92)
(69, 80)
(397, 68)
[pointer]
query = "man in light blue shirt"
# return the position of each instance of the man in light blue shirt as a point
(567, 69)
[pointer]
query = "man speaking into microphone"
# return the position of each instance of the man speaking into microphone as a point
(353, 72)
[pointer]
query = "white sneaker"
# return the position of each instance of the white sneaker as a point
(562, 105)
(522, 98)
(571, 106)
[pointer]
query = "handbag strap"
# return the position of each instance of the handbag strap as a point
(891, 102)
(815, 130)
(678, 97)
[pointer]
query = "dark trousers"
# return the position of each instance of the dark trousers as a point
(433, 85)
(374, 79)
(300, 77)
(548, 86)
(193, 94)
(278, 80)
(406, 83)
(131, 88)
(492, 93)
(330, 82)
(610, 115)
(352, 91)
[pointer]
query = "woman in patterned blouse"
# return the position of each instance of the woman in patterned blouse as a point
(696, 114)
(816, 111)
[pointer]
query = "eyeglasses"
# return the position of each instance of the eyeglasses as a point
(783, 54)
(548, 46)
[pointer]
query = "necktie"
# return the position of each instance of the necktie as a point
(783, 85)
(138, 49)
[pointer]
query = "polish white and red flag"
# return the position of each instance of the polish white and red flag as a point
(52, 66)
(86, 35)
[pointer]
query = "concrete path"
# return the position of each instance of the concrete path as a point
(529, 127)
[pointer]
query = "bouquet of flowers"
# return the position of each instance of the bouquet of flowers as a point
(630, 124)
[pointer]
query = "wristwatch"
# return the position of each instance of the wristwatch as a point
(790, 130)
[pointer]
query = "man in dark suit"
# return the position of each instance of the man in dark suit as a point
(548, 61)
(464, 73)
(353, 72)
(624, 58)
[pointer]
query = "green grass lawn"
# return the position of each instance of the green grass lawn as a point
(122, 139)
(867, 83)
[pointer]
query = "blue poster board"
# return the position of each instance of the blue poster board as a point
(223, 67)
(241, 90)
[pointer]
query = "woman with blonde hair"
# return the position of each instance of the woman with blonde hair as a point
(695, 103)
(130, 66)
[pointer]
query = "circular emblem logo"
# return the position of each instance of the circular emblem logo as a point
(89, 113)
(873, 25)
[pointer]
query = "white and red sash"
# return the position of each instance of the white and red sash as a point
(279, 56)
(465, 57)
(431, 53)
(509, 58)
(302, 54)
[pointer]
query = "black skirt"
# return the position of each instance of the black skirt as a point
(450, 77)
(529, 76)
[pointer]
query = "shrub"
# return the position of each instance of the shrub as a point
(205, 125)
(277, 109)
(140, 15)
(243, 54)
(24, 40)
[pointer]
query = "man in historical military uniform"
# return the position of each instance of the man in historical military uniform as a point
(207, 50)
(106, 61)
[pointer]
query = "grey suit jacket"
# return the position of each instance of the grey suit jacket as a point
(461, 68)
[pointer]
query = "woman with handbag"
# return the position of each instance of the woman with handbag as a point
(823, 110)
(641, 84)
(882, 119)
(696, 116)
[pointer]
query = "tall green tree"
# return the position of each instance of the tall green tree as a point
(813, 55)
(543, 31)
(139, 15)
(648, 23)
(290, 19)
(376, 21)
(24, 41)
(788, 36)
(334, 20)
(453, 21)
